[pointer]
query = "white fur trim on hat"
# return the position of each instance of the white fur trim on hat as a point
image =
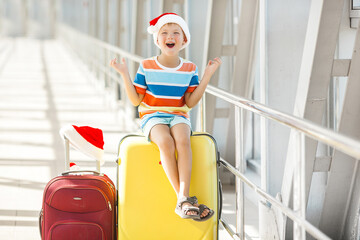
(81, 144)
(160, 21)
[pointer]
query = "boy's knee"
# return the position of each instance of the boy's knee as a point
(166, 143)
(182, 142)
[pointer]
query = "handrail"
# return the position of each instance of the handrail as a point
(97, 55)
(105, 45)
(290, 213)
(339, 141)
(229, 230)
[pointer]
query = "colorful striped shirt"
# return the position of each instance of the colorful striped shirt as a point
(164, 88)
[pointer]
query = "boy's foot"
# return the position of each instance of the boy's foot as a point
(189, 206)
(205, 212)
(185, 209)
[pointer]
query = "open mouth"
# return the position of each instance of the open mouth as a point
(170, 45)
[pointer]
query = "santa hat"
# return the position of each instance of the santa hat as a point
(86, 139)
(165, 18)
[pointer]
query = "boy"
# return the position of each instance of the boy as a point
(166, 87)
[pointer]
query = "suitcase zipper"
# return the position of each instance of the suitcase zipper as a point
(110, 208)
(84, 188)
(111, 185)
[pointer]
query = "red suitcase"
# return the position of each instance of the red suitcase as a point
(79, 205)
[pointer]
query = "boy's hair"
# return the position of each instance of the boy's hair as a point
(166, 18)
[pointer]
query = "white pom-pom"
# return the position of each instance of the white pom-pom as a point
(74, 167)
(152, 29)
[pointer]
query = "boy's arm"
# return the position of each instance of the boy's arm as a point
(192, 98)
(130, 89)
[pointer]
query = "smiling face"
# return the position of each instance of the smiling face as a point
(171, 38)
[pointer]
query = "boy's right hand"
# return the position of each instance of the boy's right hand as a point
(119, 67)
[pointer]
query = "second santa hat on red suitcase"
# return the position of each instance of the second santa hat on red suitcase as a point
(86, 139)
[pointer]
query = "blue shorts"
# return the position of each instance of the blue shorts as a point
(170, 121)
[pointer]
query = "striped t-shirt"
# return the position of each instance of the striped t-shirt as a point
(164, 88)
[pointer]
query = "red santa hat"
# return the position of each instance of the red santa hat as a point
(86, 139)
(165, 18)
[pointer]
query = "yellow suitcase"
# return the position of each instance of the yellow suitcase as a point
(146, 200)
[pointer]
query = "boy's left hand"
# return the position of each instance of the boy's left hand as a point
(212, 66)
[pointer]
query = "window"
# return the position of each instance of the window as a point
(354, 13)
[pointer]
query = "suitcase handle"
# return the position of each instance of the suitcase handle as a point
(95, 173)
(67, 157)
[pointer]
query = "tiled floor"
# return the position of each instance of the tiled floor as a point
(42, 89)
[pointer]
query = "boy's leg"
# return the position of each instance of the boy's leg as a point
(160, 135)
(181, 133)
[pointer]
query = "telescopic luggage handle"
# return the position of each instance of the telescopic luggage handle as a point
(67, 159)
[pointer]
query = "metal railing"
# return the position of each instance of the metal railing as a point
(96, 55)
(98, 58)
(303, 127)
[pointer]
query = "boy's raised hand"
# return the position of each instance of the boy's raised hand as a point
(119, 67)
(212, 66)
(194, 97)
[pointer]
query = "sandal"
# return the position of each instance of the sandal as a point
(202, 208)
(193, 200)
(182, 211)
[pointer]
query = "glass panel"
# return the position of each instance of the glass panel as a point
(356, 4)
